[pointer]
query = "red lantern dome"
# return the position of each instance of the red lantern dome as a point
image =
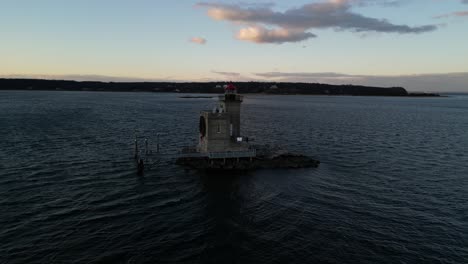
(230, 88)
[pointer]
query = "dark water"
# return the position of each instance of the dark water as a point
(392, 186)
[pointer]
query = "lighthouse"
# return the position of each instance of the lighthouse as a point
(220, 128)
(221, 145)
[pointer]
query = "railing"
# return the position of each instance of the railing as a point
(220, 155)
(233, 154)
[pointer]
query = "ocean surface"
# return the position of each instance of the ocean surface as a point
(392, 186)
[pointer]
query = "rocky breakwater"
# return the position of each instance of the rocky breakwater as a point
(266, 158)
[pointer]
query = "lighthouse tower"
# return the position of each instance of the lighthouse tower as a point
(220, 128)
(231, 103)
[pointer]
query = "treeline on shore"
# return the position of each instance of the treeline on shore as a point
(205, 87)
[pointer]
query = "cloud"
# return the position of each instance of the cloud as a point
(261, 24)
(389, 3)
(227, 74)
(198, 40)
(454, 14)
(303, 75)
(259, 34)
(438, 82)
(461, 13)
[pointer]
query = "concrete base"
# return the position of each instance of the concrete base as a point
(286, 160)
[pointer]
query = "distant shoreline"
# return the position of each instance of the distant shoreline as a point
(272, 88)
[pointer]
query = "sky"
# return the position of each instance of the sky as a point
(421, 45)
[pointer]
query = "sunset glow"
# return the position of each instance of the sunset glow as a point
(397, 43)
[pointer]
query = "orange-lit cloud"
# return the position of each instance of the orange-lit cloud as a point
(260, 34)
(454, 14)
(263, 25)
(198, 40)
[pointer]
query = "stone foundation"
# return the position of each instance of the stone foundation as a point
(285, 160)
